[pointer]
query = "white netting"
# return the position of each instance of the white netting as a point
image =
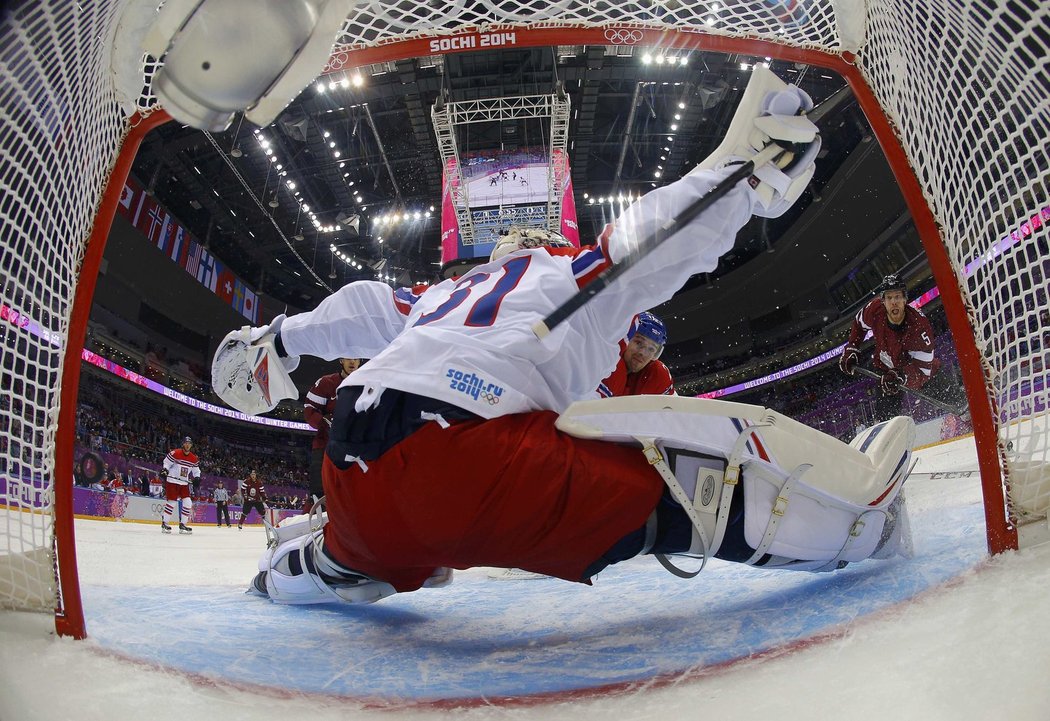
(968, 89)
(965, 83)
(59, 133)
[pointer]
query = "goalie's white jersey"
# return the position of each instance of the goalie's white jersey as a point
(469, 341)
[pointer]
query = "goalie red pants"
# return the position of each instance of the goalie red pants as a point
(507, 492)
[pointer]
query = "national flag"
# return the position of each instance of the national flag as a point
(193, 258)
(164, 237)
(155, 219)
(138, 210)
(126, 196)
(238, 295)
(224, 286)
(206, 270)
(178, 245)
(251, 306)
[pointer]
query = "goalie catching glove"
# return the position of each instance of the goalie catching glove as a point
(248, 374)
(771, 111)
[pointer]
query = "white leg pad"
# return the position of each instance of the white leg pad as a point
(833, 509)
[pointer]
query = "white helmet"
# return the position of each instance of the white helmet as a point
(518, 237)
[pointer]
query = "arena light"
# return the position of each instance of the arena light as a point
(358, 80)
(320, 87)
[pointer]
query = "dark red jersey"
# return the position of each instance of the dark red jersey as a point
(907, 348)
(252, 490)
(320, 405)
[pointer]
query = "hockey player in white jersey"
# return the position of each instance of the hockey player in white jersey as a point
(447, 449)
(181, 469)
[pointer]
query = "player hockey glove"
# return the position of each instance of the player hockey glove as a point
(771, 111)
(890, 383)
(848, 360)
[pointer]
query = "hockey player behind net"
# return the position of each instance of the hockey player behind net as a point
(459, 443)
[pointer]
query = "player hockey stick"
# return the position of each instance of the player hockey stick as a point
(929, 399)
(768, 154)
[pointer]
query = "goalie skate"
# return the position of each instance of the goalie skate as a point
(298, 572)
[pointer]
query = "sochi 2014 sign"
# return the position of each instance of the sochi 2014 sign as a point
(473, 41)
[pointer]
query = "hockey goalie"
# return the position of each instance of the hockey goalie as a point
(467, 441)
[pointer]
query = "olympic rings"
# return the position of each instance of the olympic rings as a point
(491, 398)
(623, 36)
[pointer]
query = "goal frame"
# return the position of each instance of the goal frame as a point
(1001, 532)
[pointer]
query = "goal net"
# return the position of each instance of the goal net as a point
(955, 90)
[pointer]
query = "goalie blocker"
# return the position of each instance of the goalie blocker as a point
(567, 496)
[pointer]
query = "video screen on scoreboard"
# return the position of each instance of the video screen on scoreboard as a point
(501, 177)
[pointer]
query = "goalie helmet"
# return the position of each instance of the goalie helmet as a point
(893, 282)
(518, 237)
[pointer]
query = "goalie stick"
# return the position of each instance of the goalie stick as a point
(767, 155)
(919, 394)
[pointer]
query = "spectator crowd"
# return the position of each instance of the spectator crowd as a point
(131, 434)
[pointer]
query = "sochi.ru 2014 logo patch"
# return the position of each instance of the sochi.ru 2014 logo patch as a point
(474, 386)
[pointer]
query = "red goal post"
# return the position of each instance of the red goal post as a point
(956, 93)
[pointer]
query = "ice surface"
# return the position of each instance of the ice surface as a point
(172, 636)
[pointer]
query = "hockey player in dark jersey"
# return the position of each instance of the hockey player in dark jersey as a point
(903, 355)
(254, 497)
(317, 411)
